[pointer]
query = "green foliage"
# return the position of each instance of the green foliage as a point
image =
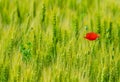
(43, 41)
(26, 52)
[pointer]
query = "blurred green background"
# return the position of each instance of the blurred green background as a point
(43, 41)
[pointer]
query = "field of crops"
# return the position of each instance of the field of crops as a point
(43, 41)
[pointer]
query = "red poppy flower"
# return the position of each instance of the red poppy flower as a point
(91, 36)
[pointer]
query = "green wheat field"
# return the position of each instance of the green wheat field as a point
(43, 41)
